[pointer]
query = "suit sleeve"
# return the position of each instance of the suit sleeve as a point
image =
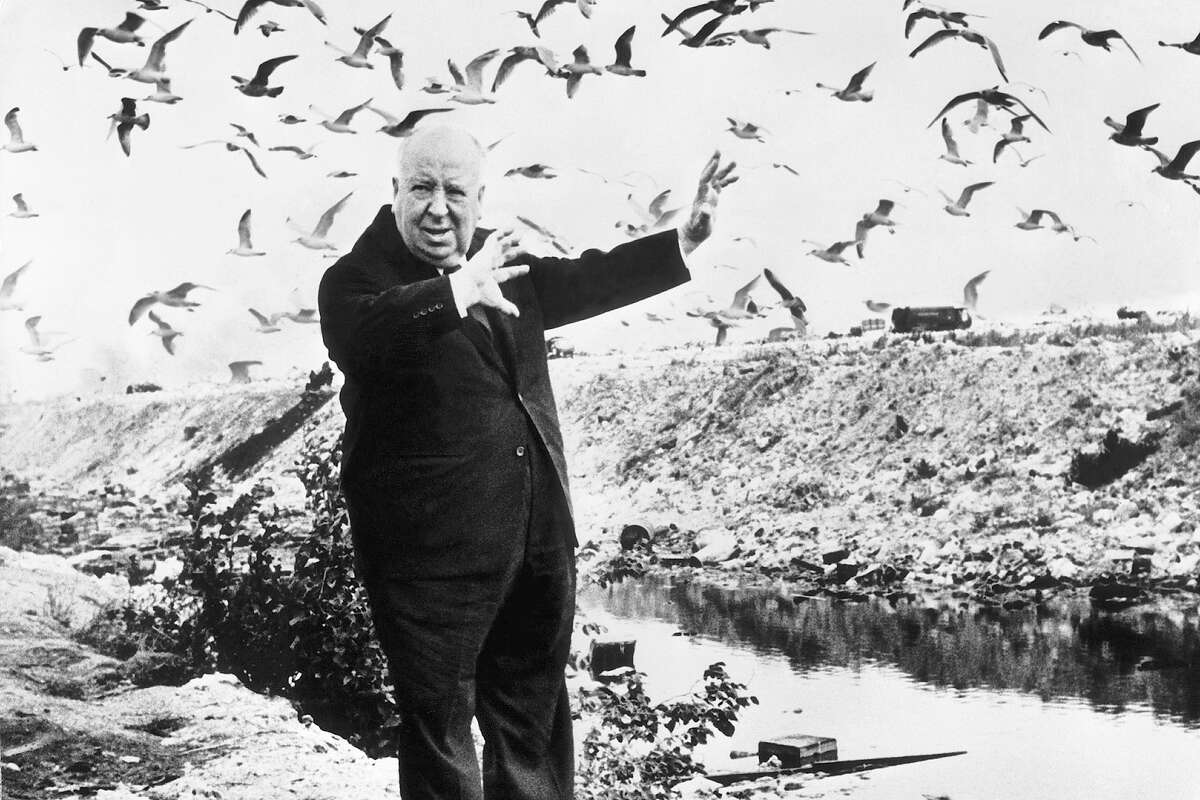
(574, 289)
(372, 330)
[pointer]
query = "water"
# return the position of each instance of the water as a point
(1049, 703)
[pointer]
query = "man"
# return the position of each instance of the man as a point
(453, 466)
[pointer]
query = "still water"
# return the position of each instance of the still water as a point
(1063, 702)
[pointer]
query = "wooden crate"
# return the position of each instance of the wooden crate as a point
(798, 749)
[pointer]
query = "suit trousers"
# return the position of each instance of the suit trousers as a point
(491, 646)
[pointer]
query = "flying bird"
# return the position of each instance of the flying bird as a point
(624, 54)
(966, 35)
(1192, 47)
(469, 91)
(877, 218)
(653, 216)
(758, 36)
(341, 173)
(1015, 133)
(124, 121)
(740, 308)
(16, 139)
(1173, 168)
(1099, 39)
(1025, 162)
(209, 10)
(291, 119)
(232, 147)
(722, 9)
(556, 241)
(744, 130)
(257, 86)
(175, 298)
(1130, 134)
(951, 153)
(252, 6)
(269, 27)
(125, 33)
(1032, 220)
(979, 119)
(853, 89)
(316, 240)
(947, 18)
(958, 208)
(9, 288)
(576, 69)
(155, 68)
(342, 123)
(23, 210)
(971, 290)
(793, 304)
(532, 171)
(876, 307)
(245, 246)
(395, 57)
(245, 133)
(301, 153)
(165, 332)
(163, 93)
(543, 55)
(832, 254)
(394, 126)
(358, 58)
(266, 324)
(993, 97)
(305, 316)
(239, 371)
(38, 346)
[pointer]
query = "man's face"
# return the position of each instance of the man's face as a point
(438, 200)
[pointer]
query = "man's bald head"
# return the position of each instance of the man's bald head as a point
(439, 193)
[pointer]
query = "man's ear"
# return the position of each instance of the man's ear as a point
(395, 188)
(480, 198)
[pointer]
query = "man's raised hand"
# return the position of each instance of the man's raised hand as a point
(481, 275)
(699, 223)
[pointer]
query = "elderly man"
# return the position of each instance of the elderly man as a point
(453, 466)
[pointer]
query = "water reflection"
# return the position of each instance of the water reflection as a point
(1063, 649)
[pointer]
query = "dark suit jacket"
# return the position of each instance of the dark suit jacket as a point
(440, 414)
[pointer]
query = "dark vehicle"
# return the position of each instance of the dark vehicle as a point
(929, 318)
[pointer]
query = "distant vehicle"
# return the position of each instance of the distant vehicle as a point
(559, 347)
(929, 318)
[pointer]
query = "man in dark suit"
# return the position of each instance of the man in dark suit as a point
(453, 466)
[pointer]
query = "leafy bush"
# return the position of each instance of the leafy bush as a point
(639, 751)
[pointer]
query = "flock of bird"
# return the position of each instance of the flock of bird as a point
(714, 23)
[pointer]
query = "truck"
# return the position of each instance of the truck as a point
(914, 319)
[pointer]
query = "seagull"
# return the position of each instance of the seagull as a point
(532, 171)
(907, 188)
(1015, 133)
(257, 86)
(404, 127)
(124, 120)
(876, 218)
(151, 5)
(979, 118)
(958, 208)
(470, 91)
(23, 211)
(342, 123)
(832, 254)
(1173, 168)
(757, 36)
(62, 62)
(175, 298)
(740, 308)
(304, 316)
(556, 241)
(239, 371)
(245, 133)
(37, 346)
(947, 18)
(993, 97)
(435, 85)
(701, 37)
(1025, 162)
(624, 54)
(232, 147)
(269, 27)
(655, 215)
(291, 119)
(744, 130)
(341, 173)
(266, 324)
(16, 139)
(967, 35)
(245, 246)
(1099, 39)
(1058, 226)
(113, 72)
(209, 9)
(9, 287)
(722, 8)
(163, 93)
(1192, 47)
(1130, 134)
(395, 57)
(604, 177)
(575, 70)
(543, 55)
(316, 240)
(876, 307)
(951, 153)
(1031, 221)
(155, 67)
(971, 290)
(253, 5)
(301, 153)
(853, 89)
(124, 33)
(793, 304)
(358, 58)
(165, 332)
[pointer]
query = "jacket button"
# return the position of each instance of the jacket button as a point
(438, 306)
(520, 450)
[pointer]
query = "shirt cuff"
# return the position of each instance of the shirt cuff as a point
(457, 291)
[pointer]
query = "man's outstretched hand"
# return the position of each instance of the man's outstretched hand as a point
(699, 224)
(479, 279)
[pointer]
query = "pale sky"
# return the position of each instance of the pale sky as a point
(113, 228)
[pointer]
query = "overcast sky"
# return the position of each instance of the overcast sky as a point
(114, 228)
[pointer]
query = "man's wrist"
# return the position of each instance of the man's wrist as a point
(463, 290)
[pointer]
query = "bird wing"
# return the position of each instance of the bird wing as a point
(1057, 25)
(315, 10)
(1163, 159)
(128, 107)
(14, 127)
(413, 117)
(973, 285)
(140, 307)
(31, 328)
(1184, 155)
(455, 73)
(131, 22)
(657, 204)
(10, 281)
(253, 161)
(939, 36)
(506, 67)
(573, 81)
(951, 145)
(19, 199)
(368, 37)
(244, 230)
(390, 119)
(1116, 126)
(246, 13)
(157, 320)
(1040, 212)
(919, 14)
(1114, 34)
(475, 69)
(1016, 126)
(995, 51)
(706, 30)
(885, 207)
(347, 115)
(776, 284)
(1136, 120)
(962, 98)
(123, 130)
(856, 80)
(158, 51)
(267, 67)
(262, 320)
(969, 191)
(1028, 110)
(624, 47)
(741, 298)
(83, 44)
(546, 10)
(326, 220)
(685, 15)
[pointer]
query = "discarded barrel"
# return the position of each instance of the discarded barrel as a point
(611, 654)
(636, 534)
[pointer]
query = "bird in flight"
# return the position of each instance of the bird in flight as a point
(958, 208)
(624, 55)
(556, 241)
(469, 91)
(832, 254)
(23, 210)
(155, 68)
(654, 215)
(947, 18)
(1130, 133)
(873, 219)
(358, 57)
(342, 123)
(853, 89)
(175, 298)
(543, 55)
(543, 171)
(395, 57)
(301, 153)
(876, 307)
(993, 97)
(245, 246)
(257, 86)
(251, 6)
(395, 126)
(163, 93)
(1173, 168)
(38, 345)
(239, 371)
(1031, 220)
(1099, 39)
(745, 130)
(16, 138)
(966, 35)
(316, 240)
(125, 33)
(951, 153)
(1192, 47)
(165, 332)
(124, 120)
(971, 290)
(232, 147)
(758, 36)
(9, 288)
(1025, 162)
(980, 118)
(266, 324)
(1015, 133)
(793, 304)
(574, 70)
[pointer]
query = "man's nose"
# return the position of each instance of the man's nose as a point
(437, 204)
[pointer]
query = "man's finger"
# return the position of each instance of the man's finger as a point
(502, 305)
(504, 274)
(710, 169)
(720, 176)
